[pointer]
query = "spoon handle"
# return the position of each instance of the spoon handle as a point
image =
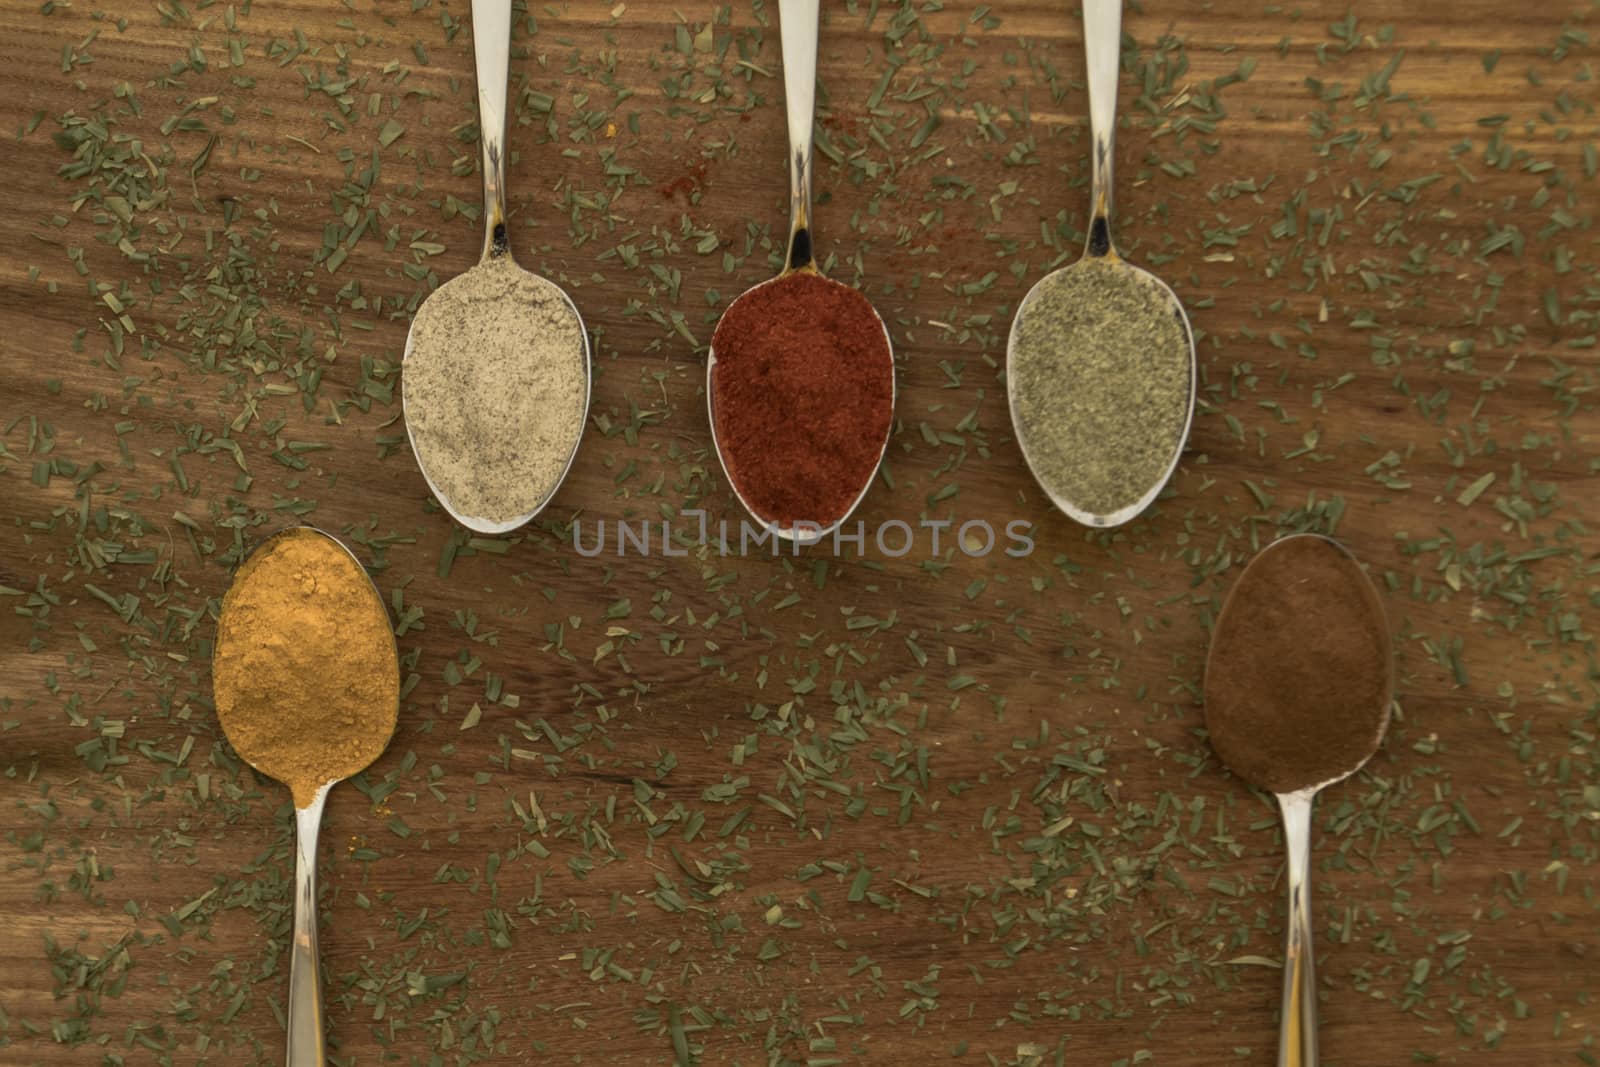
(797, 21)
(305, 980)
(1297, 1030)
(1102, 50)
(491, 48)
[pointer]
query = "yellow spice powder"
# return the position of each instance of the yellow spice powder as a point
(305, 674)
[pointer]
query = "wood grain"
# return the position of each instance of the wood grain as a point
(938, 745)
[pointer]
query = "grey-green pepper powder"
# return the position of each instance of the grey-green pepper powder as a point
(1100, 384)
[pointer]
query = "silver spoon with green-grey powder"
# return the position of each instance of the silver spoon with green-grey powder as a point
(1100, 366)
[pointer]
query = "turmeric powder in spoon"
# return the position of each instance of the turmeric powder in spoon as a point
(306, 680)
(305, 673)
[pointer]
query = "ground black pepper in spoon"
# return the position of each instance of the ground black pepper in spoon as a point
(496, 373)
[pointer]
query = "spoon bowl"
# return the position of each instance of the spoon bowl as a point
(799, 26)
(801, 533)
(275, 651)
(1017, 360)
(480, 523)
(1155, 462)
(491, 43)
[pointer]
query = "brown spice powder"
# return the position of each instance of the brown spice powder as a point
(1300, 675)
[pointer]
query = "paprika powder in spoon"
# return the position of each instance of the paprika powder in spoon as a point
(800, 379)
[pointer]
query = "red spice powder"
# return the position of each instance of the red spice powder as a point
(802, 394)
(686, 184)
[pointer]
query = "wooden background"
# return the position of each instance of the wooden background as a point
(810, 810)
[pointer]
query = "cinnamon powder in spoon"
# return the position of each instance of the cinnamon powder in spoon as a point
(1300, 676)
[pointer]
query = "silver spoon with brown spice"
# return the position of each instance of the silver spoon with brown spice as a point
(1298, 685)
(496, 378)
(1100, 361)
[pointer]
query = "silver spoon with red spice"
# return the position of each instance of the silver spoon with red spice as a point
(1299, 680)
(800, 376)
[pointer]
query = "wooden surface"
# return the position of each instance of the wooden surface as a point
(800, 810)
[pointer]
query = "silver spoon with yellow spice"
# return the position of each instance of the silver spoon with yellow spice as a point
(1100, 366)
(495, 381)
(306, 682)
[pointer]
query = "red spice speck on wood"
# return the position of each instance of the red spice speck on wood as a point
(802, 394)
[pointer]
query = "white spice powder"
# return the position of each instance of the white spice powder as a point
(495, 389)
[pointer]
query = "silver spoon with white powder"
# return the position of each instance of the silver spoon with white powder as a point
(495, 382)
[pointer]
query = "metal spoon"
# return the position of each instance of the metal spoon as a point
(491, 47)
(305, 1026)
(1102, 45)
(1297, 1032)
(798, 23)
